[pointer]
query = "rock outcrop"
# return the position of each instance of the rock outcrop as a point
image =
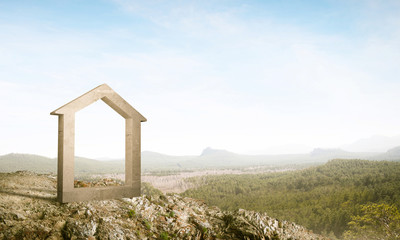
(28, 210)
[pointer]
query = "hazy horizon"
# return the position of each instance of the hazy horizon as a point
(376, 143)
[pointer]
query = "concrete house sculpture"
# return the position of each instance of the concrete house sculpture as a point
(66, 144)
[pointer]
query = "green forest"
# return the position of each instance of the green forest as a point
(332, 199)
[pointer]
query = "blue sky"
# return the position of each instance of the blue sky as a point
(246, 76)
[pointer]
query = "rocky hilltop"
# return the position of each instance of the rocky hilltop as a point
(28, 210)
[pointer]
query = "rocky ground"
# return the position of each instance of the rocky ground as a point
(28, 210)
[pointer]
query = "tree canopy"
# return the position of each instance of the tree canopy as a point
(323, 198)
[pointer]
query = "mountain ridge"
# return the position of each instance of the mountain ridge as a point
(209, 159)
(375, 143)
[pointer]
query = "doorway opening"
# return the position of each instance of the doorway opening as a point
(99, 147)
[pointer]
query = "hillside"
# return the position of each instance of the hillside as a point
(321, 198)
(16, 162)
(39, 164)
(28, 211)
(392, 154)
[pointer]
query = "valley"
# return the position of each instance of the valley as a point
(178, 182)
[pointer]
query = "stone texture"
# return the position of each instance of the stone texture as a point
(29, 210)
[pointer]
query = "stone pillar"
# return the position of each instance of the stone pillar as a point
(66, 155)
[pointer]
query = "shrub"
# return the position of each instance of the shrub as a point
(164, 236)
(131, 213)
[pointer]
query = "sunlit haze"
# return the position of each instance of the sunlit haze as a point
(251, 77)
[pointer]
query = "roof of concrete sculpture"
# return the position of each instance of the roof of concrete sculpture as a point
(105, 93)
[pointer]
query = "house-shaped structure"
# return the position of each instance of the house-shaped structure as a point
(66, 144)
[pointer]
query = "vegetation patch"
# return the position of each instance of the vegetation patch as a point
(324, 198)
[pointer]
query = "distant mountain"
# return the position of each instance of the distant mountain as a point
(392, 154)
(209, 159)
(39, 164)
(17, 162)
(152, 161)
(215, 152)
(86, 165)
(394, 151)
(376, 143)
